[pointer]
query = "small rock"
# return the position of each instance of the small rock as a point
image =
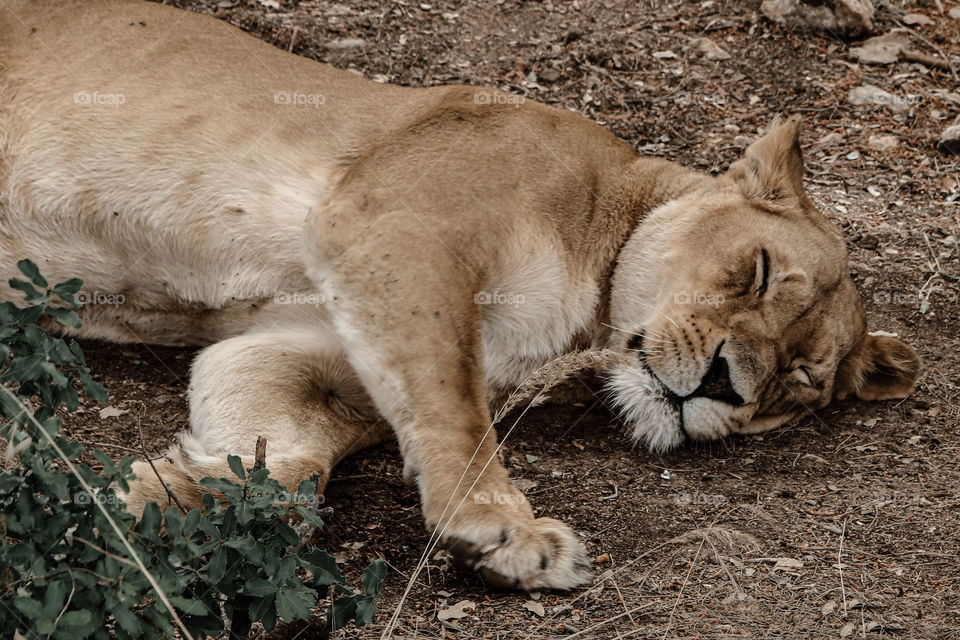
(709, 49)
(346, 43)
(550, 75)
(916, 18)
(664, 55)
(869, 94)
(950, 140)
(883, 49)
(884, 144)
(954, 12)
(742, 141)
(829, 140)
(603, 558)
(842, 17)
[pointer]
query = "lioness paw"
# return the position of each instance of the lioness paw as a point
(540, 554)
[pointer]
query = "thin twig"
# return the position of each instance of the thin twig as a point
(843, 591)
(931, 61)
(163, 483)
(260, 455)
(623, 602)
(593, 627)
(293, 39)
(686, 580)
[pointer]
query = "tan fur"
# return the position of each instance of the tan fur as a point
(363, 255)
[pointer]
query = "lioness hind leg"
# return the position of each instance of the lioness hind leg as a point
(292, 387)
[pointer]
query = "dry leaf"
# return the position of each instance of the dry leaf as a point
(456, 611)
(787, 564)
(535, 607)
(111, 412)
(847, 629)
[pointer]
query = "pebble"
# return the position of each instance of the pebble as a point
(950, 140)
(869, 94)
(829, 139)
(844, 17)
(916, 18)
(709, 49)
(347, 43)
(884, 144)
(883, 49)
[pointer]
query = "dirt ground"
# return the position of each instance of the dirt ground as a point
(845, 524)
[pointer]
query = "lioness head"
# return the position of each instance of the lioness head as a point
(737, 311)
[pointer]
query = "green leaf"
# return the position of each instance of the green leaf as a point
(66, 317)
(188, 606)
(366, 611)
(171, 520)
(24, 369)
(150, 522)
(32, 295)
(342, 611)
(56, 376)
(309, 516)
(53, 598)
(127, 620)
(71, 619)
(217, 566)
(323, 566)
(191, 522)
(373, 577)
(29, 607)
(264, 610)
(236, 466)
(258, 587)
(68, 287)
(29, 269)
(294, 604)
(95, 390)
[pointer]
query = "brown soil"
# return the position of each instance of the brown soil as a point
(844, 524)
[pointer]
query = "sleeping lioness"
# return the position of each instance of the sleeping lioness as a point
(359, 255)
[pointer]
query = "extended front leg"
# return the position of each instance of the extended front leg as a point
(403, 306)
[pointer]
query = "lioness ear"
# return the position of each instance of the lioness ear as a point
(878, 368)
(772, 167)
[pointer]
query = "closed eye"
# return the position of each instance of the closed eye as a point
(762, 273)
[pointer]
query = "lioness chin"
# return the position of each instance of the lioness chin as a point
(364, 258)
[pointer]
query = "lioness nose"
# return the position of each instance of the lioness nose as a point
(716, 382)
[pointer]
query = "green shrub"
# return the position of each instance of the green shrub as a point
(74, 564)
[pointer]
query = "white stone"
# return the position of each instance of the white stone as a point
(841, 17)
(950, 140)
(883, 49)
(346, 43)
(882, 143)
(869, 94)
(709, 49)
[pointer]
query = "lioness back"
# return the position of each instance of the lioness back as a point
(179, 202)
